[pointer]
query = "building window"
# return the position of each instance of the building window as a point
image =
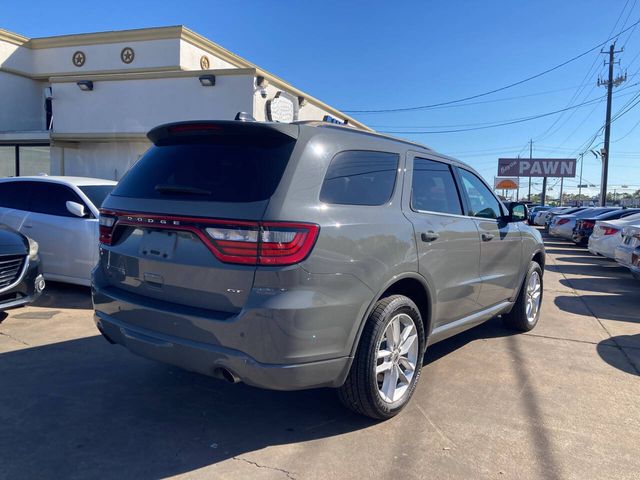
(34, 160)
(21, 160)
(7, 161)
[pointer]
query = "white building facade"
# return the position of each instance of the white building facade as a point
(82, 104)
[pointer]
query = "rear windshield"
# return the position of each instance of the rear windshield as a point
(226, 169)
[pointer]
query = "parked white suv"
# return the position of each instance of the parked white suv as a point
(61, 214)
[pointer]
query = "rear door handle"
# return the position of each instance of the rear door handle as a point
(429, 236)
(487, 236)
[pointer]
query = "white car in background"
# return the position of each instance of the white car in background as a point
(628, 252)
(562, 225)
(607, 235)
(541, 217)
(61, 214)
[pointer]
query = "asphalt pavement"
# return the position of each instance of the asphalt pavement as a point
(560, 402)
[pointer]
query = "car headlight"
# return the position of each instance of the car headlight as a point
(33, 249)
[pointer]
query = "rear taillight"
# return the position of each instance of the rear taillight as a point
(587, 224)
(230, 241)
(107, 221)
(270, 243)
(286, 243)
(610, 230)
(562, 221)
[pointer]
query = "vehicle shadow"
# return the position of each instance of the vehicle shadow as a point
(134, 418)
(64, 295)
(628, 360)
(493, 328)
(86, 409)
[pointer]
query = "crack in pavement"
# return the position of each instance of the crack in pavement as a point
(257, 465)
(15, 339)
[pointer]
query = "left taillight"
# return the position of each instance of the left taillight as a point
(107, 222)
(610, 230)
(562, 221)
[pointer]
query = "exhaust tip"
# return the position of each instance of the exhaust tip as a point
(227, 375)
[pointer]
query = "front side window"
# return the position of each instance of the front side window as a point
(482, 203)
(433, 188)
(14, 195)
(359, 177)
(51, 199)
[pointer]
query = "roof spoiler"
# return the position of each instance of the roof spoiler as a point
(194, 130)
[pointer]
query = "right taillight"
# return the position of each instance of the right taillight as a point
(562, 221)
(269, 243)
(610, 230)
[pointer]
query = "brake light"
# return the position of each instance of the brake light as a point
(194, 127)
(587, 224)
(610, 230)
(106, 221)
(270, 243)
(562, 221)
(230, 241)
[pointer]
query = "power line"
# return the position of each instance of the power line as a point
(495, 90)
(584, 82)
(487, 125)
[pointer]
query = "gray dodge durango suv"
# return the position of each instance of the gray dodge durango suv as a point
(293, 256)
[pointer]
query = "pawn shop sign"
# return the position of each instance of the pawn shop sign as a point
(536, 167)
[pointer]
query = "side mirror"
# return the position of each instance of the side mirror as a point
(518, 212)
(74, 208)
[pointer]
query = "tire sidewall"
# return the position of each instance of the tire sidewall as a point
(533, 267)
(400, 305)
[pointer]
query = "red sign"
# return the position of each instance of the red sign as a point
(536, 167)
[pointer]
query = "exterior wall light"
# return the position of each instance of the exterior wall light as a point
(262, 82)
(85, 85)
(207, 80)
(302, 101)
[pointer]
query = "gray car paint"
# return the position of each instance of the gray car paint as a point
(298, 326)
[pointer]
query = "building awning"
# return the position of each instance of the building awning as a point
(24, 138)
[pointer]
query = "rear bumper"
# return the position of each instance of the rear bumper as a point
(299, 335)
(210, 360)
(581, 236)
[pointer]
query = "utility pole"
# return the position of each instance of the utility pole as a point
(610, 83)
(561, 185)
(580, 184)
(530, 157)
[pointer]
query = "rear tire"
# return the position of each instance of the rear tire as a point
(525, 313)
(377, 384)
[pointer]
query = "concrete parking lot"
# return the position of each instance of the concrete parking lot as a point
(560, 402)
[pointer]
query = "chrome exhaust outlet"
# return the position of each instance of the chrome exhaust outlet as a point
(227, 375)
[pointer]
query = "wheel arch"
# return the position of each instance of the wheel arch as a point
(412, 285)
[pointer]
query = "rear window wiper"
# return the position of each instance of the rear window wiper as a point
(177, 189)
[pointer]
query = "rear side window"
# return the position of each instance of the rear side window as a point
(231, 169)
(433, 188)
(359, 177)
(14, 195)
(52, 198)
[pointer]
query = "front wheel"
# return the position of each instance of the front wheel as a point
(388, 361)
(526, 312)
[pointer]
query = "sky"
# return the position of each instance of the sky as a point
(375, 55)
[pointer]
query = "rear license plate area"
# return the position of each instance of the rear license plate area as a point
(158, 244)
